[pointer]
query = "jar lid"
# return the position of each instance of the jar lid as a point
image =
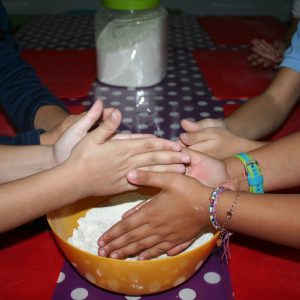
(130, 4)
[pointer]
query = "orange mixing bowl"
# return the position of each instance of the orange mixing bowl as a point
(128, 277)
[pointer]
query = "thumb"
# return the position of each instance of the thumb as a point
(189, 126)
(108, 127)
(87, 120)
(151, 179)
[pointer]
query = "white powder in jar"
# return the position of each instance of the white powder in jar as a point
(98, 220)
(131, 51)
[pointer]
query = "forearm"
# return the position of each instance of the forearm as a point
(278, 162)
(263, 114)
(48, 116)
(26, 199)
(20, 161)
(270, 217)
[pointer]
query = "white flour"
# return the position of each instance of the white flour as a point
(132, 52)
(99, 220)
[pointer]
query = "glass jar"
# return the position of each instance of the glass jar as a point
(131, 42)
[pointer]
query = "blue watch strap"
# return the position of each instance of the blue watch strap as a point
(254, 177)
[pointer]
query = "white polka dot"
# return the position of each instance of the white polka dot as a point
(90, 277)
(214, 98)
(158, 88)
(125, 132)
(127, 120)
(132, 298)
(174, 114)
(175, 126)
(202, 103)
(191, 119)
(142, 126)
(86, 103)
(115, 103)
(204, 114)
(174, 138)
(186, 88)
(212, 277)
(184, 79)
(129, 98)
(188, 108)
(172, 103)
(158, 97)
(218, 108)
(187, 294)
(79, 294)
(159, 120)
(117, 93)
(61, 277)
(171, 75)
(103, 88)
(131, 88)
(159, 132)
(172, 93)
(158, 108)
(200, 93)
(172, 84)
(129, 108)
(143, 114)
(196, 75)
(187, 98)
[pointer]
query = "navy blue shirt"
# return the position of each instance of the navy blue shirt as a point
(21, 92)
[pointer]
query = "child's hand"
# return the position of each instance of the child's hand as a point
(169, 221)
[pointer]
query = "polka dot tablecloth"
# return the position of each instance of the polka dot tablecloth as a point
(182, 94)
(210, 282)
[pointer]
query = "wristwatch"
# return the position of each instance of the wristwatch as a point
(254, 177)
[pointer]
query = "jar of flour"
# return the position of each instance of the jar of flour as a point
(131, 42)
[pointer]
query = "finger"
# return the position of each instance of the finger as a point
(151, 179)
(87, 120)
(134, 209)
(159, 158)
(189, 126)
(121, 230)
(194, 138)
(108, 127)
(155, 251)
(173, 168)
(137, 247)
(127, 136)
(179, 248)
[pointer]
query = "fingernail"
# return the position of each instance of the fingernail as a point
(180, 169)
(183, 136)
(141, 258)
(176, 147)
(101, 244)
(114, 255)
(102, 253)
(185, 158)
(132, 175)
(113, 115)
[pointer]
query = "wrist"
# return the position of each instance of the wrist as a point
(237, 178)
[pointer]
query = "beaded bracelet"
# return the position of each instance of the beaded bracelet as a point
(213, 201)
(224, 233)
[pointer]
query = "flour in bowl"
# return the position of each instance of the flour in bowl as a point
(98, 220)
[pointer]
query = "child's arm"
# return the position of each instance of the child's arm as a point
(180, 211)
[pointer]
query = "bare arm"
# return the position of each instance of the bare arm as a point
(263, 114)
(48, 116)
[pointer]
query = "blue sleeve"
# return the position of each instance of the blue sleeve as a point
(21, 92)
(292, 55)
(23, 138)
